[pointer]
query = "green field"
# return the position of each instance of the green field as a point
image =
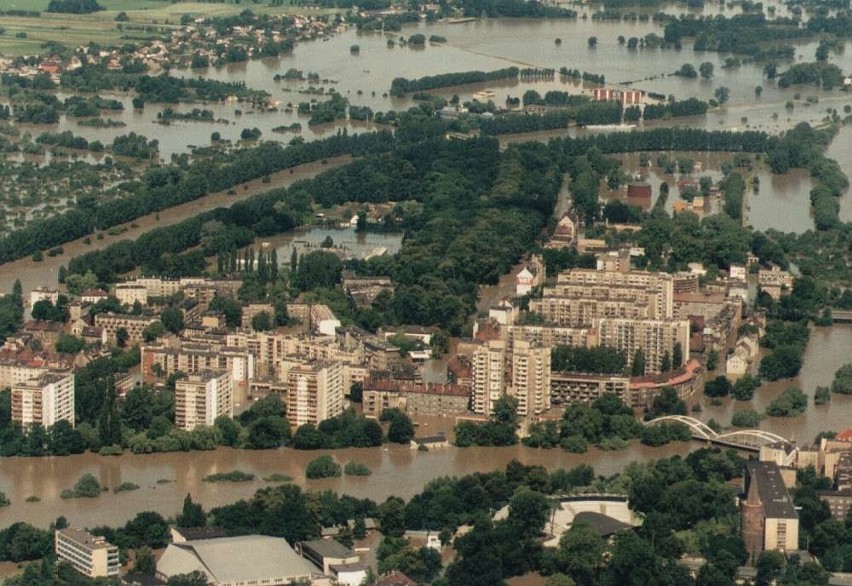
(74, 30)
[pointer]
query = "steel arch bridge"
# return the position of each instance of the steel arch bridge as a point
(746, 438)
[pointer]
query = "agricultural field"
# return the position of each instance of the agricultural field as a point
(25, 36)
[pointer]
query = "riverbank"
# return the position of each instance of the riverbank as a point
(165, 479)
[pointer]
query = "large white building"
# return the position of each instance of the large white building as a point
(43, 400)
(202, 397)
(314, 392)
(43, 294)
(90, 555)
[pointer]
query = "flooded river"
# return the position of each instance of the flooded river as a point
(397, 470)
(364, 79)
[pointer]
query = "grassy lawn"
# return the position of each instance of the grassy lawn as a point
(100, 27)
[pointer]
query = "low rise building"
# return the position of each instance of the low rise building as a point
(134, 325)
(325, 553)
(637, 392)
(90, 555)
(415, 399)
(43, 294)
(775, 281)
(364, 290)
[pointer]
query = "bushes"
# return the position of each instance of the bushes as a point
(746, 418)
(86, 487)
(234, 476)
(718, 387)
(660, 434)
(356, 469)
(323, 467)
(842, 382)
(790, 403)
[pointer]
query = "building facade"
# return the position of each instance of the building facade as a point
(769, 520)
(90, 555)
(44, 400)
(202, 397)
(314, 392)
(530, 378)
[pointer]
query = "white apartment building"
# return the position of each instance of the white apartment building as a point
(314, 392)
(489, 375)
(131, 292)
(530, 378)
(202, 397)
(90, 555)
(44, 400)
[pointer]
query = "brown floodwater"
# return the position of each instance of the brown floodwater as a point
(828, 349)
(396, 470)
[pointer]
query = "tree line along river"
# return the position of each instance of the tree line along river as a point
(396, 470)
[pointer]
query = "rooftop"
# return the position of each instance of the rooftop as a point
(260, 558)
(328, 548)
(774, 496)
(601, 524)
(85, 538)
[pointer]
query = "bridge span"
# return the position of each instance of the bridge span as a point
(740, 439)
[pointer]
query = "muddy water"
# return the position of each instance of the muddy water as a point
(396, 470)
(828, 350)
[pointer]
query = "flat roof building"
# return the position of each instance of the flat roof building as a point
(90, 555)
(44, 400)
(201, 398)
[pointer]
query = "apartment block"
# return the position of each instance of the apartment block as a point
(202, 397)
(546, 335)
(488, 365)
(654, 337)
(530, 378)
(44, 400)
(131, 292)
(314, 392)
(190, 358)
(415, 399)
(90, 555)
(133, 324)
